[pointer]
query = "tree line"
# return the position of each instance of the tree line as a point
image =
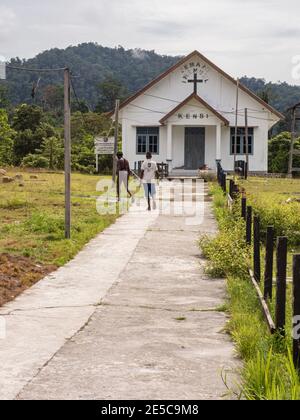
(29, 137)
(32, 135)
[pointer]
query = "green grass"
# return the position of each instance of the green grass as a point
(269, 198)
(268, 372)
(32, 217)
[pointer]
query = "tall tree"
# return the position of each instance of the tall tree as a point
(53, 98)
(52, 148)
(31, 131)
(4, 101)
(27, 117)
(91, 123)
(110, 90)
(279, 149)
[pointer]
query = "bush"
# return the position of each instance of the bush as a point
(35, 161)
(84, 169)
(208, 176)
(227, 253)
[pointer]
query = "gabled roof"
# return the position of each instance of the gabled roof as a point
(202, 57)
(201, 101)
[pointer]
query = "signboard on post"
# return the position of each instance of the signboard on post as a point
(104, 145)
(2, 70)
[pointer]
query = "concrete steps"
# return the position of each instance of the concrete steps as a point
(181, 173)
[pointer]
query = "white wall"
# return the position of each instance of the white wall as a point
(178, 146)
(220, 93)
(129, 144)
(258, 162)
(210, 147)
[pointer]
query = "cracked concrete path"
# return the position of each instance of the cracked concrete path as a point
(141, 321)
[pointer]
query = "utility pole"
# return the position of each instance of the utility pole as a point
(236, 122)
(116, 139)
(67, 130)
(97, 163)
(247, 142)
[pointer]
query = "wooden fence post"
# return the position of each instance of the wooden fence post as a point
(219, 173)
(281, 284)
(244, 208)
(231, 188)
(256, 249)
(235, 190)
(296, 311)
(246, 170)
(268, 289)
(249, 225)
(224, 181)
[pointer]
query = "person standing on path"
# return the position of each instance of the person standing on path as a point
(149, 175)
(123, 174)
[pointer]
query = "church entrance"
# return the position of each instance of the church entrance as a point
(194, 148)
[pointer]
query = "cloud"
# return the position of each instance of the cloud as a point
(165, 27)
(286, 33)
(244, 37)
(7, 20)
(139, 54)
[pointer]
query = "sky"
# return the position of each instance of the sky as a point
(259, 38)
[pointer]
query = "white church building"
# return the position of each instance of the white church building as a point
(187, 117)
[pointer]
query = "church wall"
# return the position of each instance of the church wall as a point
(149, 108)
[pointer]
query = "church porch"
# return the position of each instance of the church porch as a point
(191, 147)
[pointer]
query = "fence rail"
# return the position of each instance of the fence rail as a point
(253, 238)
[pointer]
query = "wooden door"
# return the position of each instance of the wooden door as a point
(194, 148)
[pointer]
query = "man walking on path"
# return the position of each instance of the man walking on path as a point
(149, 175)
(123, 173)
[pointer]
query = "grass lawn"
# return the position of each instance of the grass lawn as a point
(268, 372)
(32, 226)
(276, 201)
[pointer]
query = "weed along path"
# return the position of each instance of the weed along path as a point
(133, 316)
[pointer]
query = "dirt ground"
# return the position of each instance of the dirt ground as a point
(18, 274)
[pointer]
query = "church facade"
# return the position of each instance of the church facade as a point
(187, 118)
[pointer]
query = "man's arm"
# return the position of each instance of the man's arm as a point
(143, 170)
(118, 166)
(128, 168)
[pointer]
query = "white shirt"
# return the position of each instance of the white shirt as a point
(150, 168)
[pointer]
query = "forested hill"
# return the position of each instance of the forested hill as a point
(281, 95)
(92, 63)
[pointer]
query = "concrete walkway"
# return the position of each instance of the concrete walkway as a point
(131, 317)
